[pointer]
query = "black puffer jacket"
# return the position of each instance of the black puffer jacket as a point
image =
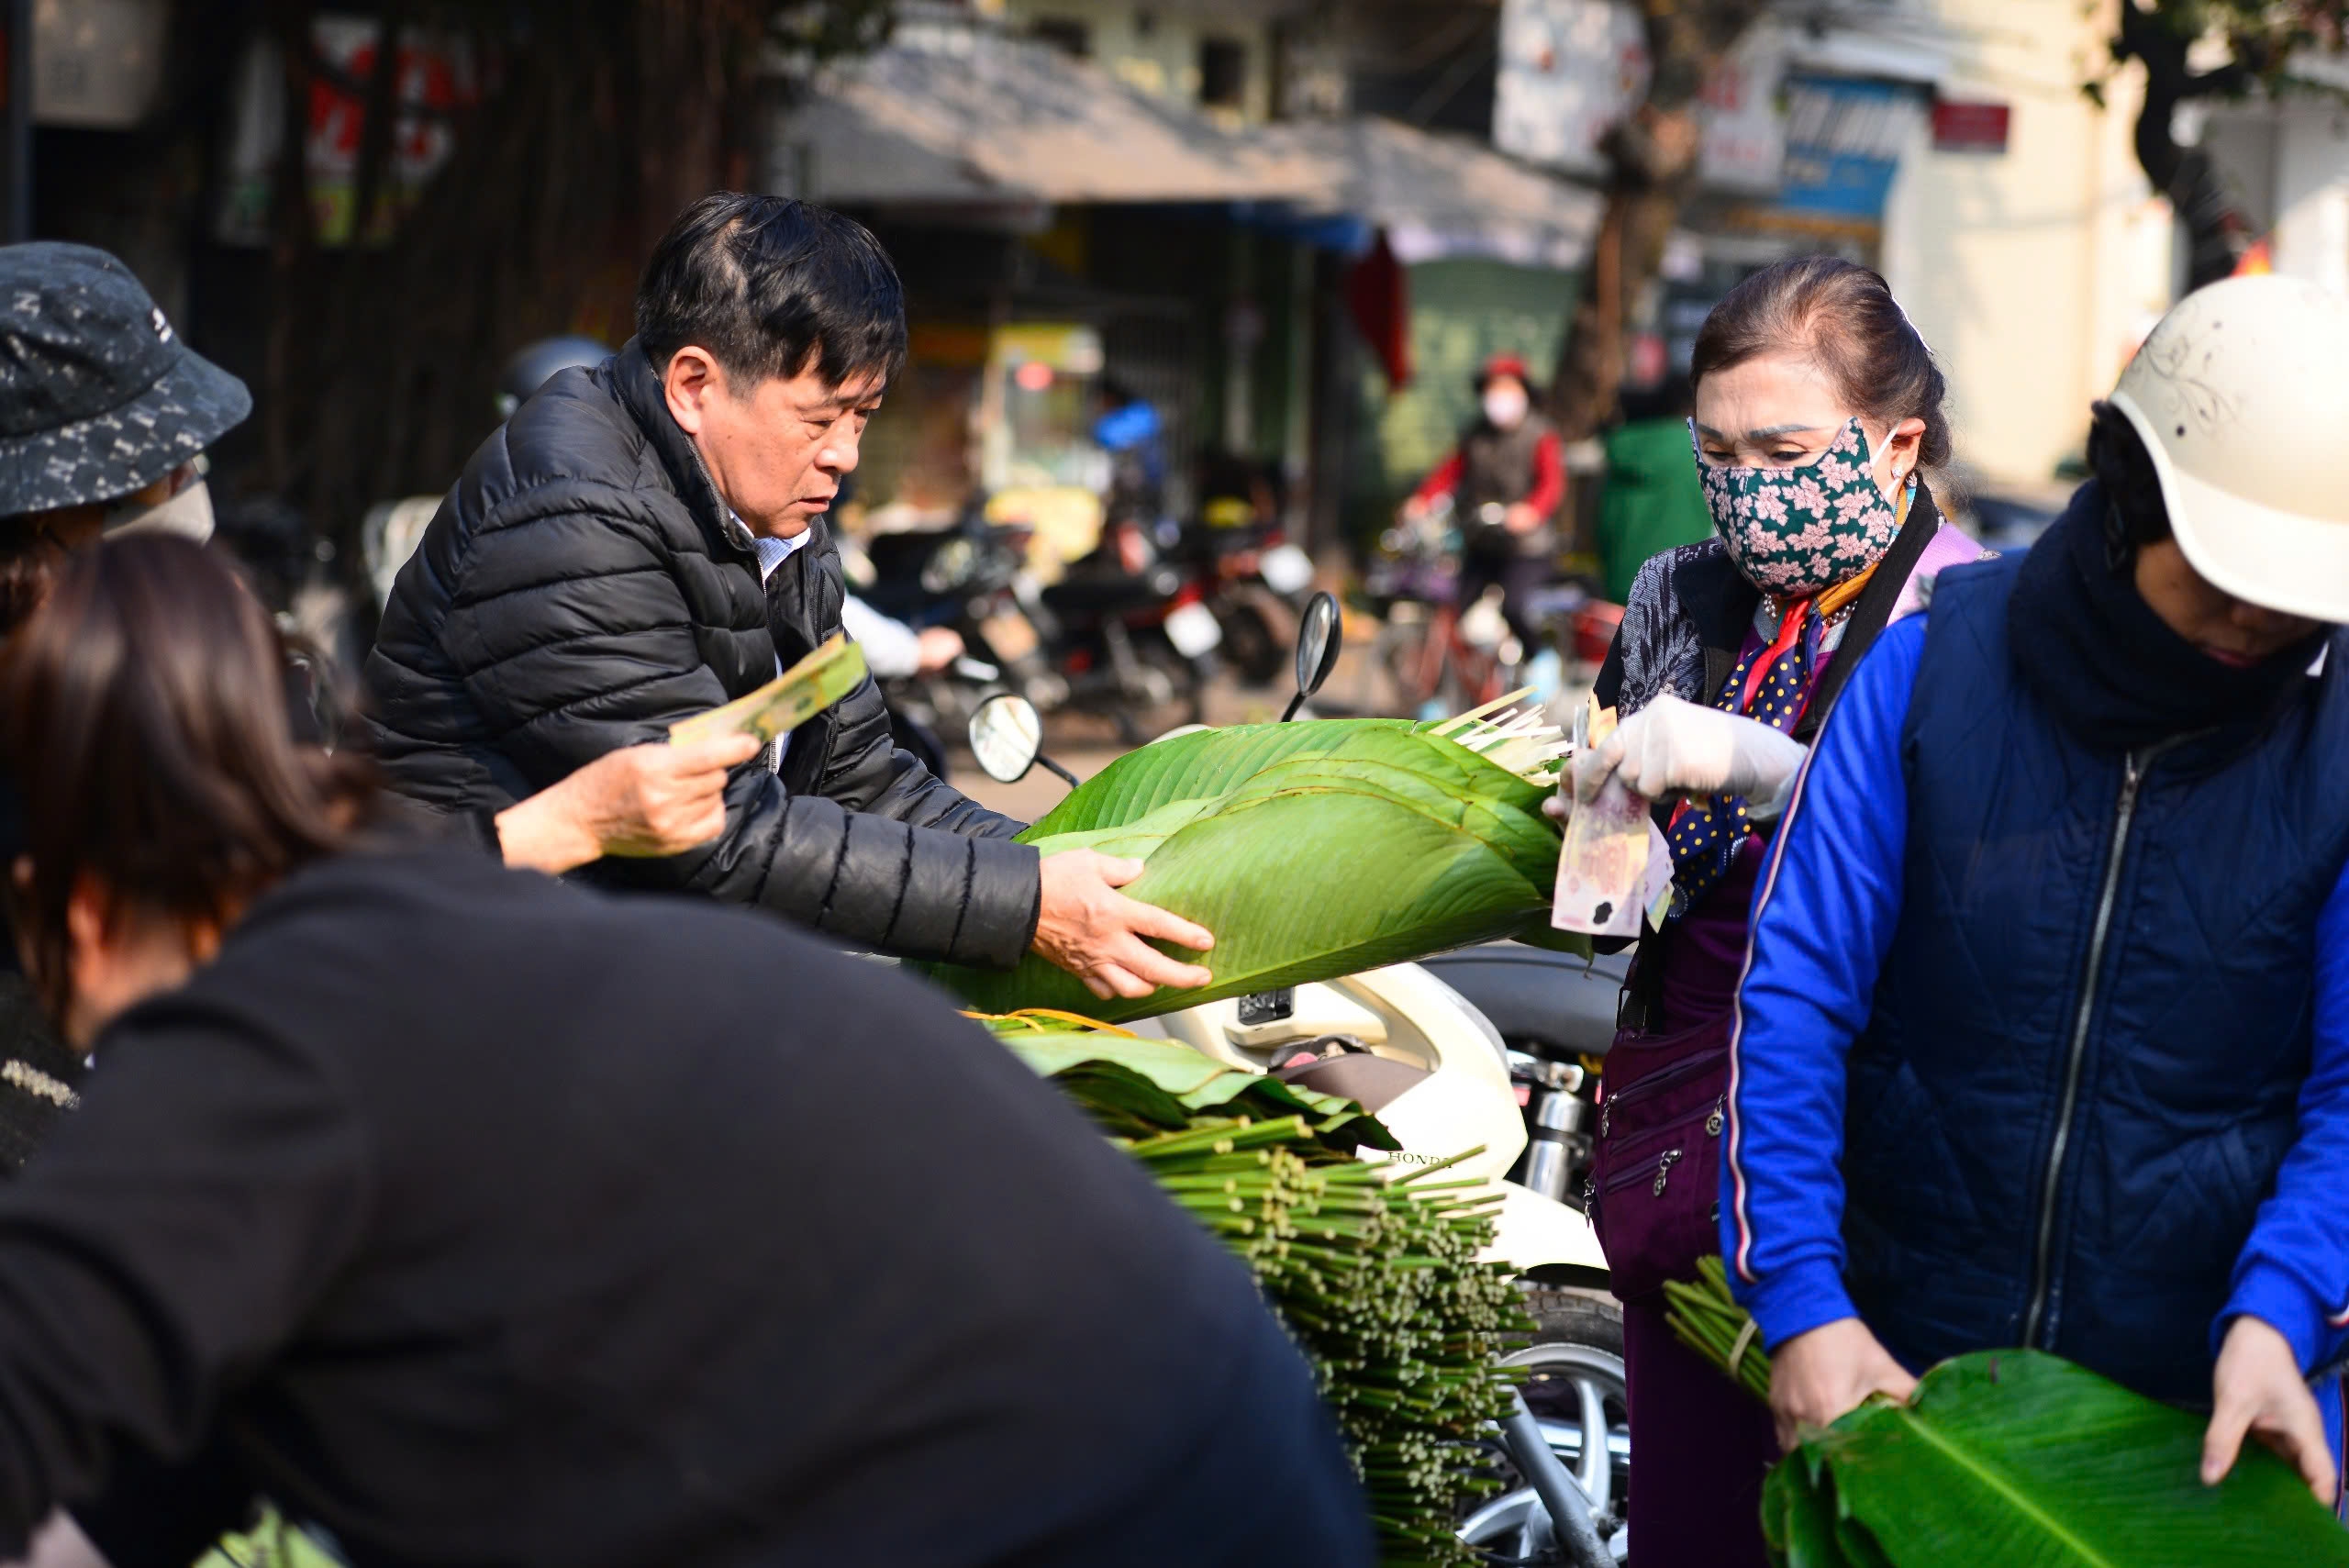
(582, 588)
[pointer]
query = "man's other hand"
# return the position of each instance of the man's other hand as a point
(2257, 1388)
(1818, 1376)
(1097, 933)
(649, 800)
(1520, 518)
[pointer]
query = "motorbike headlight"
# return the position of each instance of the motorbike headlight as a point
(949, 566)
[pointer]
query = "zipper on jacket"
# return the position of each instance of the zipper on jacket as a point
(2133, 778)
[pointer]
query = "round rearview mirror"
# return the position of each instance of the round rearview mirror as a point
(1319, 635)
(1007, 733)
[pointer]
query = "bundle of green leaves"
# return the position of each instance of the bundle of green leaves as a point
(1376, 1278)
(1311, 850)
(2010, 1456)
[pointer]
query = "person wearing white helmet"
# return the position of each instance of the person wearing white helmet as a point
(2043, 1036)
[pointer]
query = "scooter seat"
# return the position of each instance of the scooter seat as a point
(1550, 1004)
(1108, 592)
(1374, 1083)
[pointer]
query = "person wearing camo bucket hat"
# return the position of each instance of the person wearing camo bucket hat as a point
(106, 413)
(104, 409)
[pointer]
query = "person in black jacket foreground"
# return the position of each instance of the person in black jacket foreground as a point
(645, 541)
(479, 1218)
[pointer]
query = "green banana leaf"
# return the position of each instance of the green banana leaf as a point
(2026, 1461)
(1311, 850)
(1200, 765)
(1159, 1086)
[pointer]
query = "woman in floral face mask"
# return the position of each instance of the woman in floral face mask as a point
(1816, 405)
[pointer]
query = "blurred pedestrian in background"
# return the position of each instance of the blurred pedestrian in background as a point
(1504, 482)
(837, 1281)
(1817, 405)
(1651, 501)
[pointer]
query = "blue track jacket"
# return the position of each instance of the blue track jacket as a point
(1825, 916)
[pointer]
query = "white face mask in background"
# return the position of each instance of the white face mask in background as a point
(1505, 407)
(187, 514)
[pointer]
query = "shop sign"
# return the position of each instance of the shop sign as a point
(434, 81)
(97, 64)
(1969, 127)
(1845, 138)
(1570, 70)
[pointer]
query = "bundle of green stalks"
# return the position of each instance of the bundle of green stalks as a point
(1708, 1319)
(1376, 1276)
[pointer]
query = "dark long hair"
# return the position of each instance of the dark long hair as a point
(1843, 318)
(143, 728)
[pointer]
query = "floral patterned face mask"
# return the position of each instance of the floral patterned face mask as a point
(1794, 531)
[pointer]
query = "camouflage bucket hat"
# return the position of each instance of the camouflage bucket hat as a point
(99, 396)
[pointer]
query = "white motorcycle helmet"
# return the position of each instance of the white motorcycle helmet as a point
(2241, 396)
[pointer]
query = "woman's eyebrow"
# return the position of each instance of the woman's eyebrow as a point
(1768, 433)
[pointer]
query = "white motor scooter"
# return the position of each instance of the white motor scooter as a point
(1422, 1059)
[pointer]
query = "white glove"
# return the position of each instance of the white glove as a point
(1671, 747)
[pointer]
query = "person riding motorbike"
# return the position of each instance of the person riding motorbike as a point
(1506, 481)
(2045, 1035)
(1817, 405)
(648, 541)
(532, 1207)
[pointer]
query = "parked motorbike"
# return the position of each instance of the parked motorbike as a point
(1413, 1050)
(971, 576)
(1137, 636)
(1124, 634)
(1255, 580)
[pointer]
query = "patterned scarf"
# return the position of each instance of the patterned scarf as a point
(1772, 683)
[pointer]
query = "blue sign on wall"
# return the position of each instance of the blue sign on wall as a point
(1844, 138)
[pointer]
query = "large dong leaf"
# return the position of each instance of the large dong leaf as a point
(1374, 845)
(1204, 765)
(2026, 1461)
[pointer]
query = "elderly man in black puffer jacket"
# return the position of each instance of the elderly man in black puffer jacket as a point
(646, 541)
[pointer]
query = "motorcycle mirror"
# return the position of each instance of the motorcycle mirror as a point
(1319, 636)
(1006, 736)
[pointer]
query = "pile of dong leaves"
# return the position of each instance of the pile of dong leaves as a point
(1310, 850)
(2011, 1457)
(1375, 1276)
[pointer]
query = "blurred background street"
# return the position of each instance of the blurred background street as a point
(1201, 291)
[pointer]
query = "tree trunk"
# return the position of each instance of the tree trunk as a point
(2217, 232)
(1652, 169)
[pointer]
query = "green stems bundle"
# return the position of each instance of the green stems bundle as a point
(1375, 1276)
(1379, 1284)
(1709, 1321)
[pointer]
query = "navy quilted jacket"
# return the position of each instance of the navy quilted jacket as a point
(2041, 1046)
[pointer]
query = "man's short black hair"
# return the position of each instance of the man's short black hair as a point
(772, 287)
